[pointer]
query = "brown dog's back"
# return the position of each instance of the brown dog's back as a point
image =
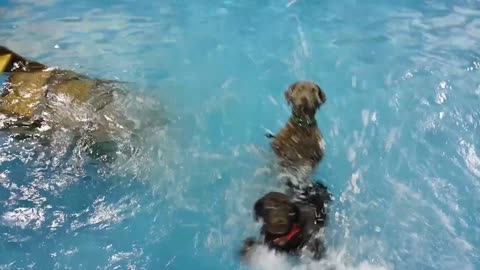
(297, 146)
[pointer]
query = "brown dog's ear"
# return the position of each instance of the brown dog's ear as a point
(288, 93)
(321, 95)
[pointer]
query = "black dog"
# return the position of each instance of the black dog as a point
(291, 226)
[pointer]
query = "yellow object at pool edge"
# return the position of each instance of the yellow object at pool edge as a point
(4, 60)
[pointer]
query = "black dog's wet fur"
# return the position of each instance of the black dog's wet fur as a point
(315, 196)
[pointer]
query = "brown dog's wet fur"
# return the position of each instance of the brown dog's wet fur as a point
(299, 143)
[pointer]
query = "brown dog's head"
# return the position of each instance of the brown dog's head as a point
(305, 97)
(277, 211)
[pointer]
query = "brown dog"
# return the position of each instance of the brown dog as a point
(299, 144)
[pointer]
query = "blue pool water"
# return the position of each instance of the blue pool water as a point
(401, 126)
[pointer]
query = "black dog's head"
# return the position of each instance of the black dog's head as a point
(277, 212)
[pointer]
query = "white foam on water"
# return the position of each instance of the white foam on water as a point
(24, 217)
(264, 259)
(291, 3)
(354, 182)
(365, 118)
(472, 160)
(391, 138)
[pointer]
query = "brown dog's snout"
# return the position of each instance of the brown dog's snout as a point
(305, 102)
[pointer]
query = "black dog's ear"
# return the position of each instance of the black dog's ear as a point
(321, 95)
(258, 210)
(296, 210)
(288, 93)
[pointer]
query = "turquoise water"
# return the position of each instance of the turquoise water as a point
(401, 126)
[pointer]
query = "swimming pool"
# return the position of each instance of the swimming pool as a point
(401, 125)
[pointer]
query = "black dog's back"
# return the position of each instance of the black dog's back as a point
(315, 192)
(316, 199)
